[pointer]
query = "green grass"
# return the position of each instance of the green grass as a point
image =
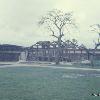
(27, 83)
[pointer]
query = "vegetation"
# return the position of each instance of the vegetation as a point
(96, 29)
(27, 83)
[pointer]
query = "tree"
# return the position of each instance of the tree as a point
(56, 21)
(96, 29)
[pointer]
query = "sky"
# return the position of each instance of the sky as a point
(18, 20)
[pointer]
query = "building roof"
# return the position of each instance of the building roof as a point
(8, 47)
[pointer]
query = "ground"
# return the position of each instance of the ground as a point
(36, 83)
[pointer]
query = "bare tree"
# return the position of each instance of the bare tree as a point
(55, 21)
(96, 29)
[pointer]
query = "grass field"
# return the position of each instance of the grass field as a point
(27, 83)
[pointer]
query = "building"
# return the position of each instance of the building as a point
(10, 52)
(70, 51)
(47, 51)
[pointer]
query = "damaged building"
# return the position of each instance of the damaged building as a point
(70, 51)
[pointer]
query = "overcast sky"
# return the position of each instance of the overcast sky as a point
(18, 20)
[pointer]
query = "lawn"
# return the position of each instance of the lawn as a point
(28, 83)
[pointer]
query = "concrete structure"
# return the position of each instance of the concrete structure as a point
(23, 56)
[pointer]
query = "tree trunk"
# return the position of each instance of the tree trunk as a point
(58, 51)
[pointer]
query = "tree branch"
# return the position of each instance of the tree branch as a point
(53, 33)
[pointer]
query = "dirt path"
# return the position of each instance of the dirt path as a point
(48, 66)
(76, 68)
